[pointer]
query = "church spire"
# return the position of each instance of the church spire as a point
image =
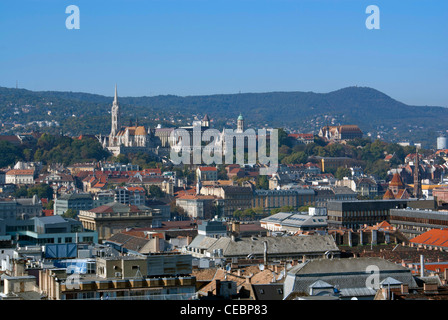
(115, 112)
(116, 95)
(417, 181)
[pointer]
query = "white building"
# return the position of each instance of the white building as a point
(18, 176)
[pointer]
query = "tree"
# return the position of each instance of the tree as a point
(295, 158)
(283, 138)
(342, 172)
(282, 209)
(155, 191)
(22, 192)
(10, 154)
(262, 182)
(222, 173)
(49, 205)
(42, 190)
(121, 158)
(303, 208)
(177, 210)
(70, 213)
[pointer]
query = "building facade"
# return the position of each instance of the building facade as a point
(115, 217)
(355, 214)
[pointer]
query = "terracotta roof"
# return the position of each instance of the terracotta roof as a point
(19, 172)
(235, 170)
(141, 189)
(208, 169)
(433, 237)
(388, 195)
(402, 194)
(13, 139)
(396, 181)
(204, 274)
(306, 135)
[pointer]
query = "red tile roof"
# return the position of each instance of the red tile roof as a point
(433, 237)
(208, 169)
(396, 180)
(19, 172)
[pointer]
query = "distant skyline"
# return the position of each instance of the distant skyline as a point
(200, 47)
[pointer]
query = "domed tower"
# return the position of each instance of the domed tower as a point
(240, 123)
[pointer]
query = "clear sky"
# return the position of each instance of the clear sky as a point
(195, 47)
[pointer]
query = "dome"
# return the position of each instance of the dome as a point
(240, 117)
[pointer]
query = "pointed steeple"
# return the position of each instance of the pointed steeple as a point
(115, 113)
(116, 95)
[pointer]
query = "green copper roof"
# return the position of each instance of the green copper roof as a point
(240, 117)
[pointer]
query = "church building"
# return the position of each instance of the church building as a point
(130, 139)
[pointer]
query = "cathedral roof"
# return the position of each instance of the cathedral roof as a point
(133, 131)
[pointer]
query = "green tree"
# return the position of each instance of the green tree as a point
(49, 205)
(342, 172)
(10, 154)
(303, 208)
(283, 209)
(22, 192)
(262, 182)
(70, 213)
(177, 210)
(155, 191)
(42, 190)
(295, 158)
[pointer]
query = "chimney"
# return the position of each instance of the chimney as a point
(422, 266)
(404, 288)
(218, 287)
(265, 255)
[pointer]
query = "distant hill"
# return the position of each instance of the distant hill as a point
(375, 112)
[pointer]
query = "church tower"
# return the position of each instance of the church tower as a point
(240, 124)
(417, 180)
(115, 115)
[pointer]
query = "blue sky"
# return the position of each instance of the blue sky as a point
(194, 47)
